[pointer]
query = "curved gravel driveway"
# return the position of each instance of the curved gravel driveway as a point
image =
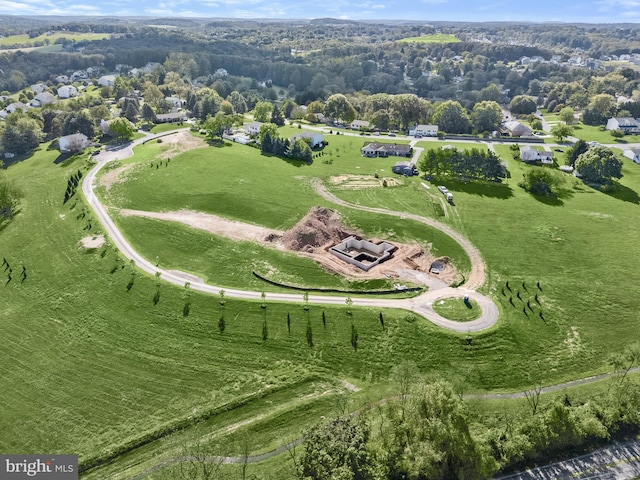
(421, 305)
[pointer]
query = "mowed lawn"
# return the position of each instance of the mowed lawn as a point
(581, 247)
(265, 191)
(92, 368)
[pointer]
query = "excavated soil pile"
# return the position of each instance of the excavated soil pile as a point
(320, 227)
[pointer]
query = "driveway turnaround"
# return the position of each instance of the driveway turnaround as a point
(421, 305)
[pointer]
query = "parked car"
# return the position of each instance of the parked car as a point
(443, 189)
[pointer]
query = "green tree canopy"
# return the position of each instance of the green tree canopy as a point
(238, 101)
(429, 437)
(598, 165)
(600, 108)
(262, 111)
(217, 125)
(574, 152)
(522, 105)
(539, 181)
(561, 131)
(451, 117)
(486, 116)
(338, 107)
(567, 115)
(21, 134)
(337, 451)
(122, 128)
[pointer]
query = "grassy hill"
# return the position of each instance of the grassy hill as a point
(97, 369)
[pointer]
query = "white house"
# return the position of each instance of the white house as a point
(530, 154)
(12, 107)
(38, 87)
(633, 154)
(358, 124)
(252, 128)
(42, 99)
(316, 140)
(73, 143)
(107, 80)
(67, 91)
(62, 79)
(424, 131)
(625, 124)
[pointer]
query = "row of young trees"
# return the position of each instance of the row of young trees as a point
(472, 164)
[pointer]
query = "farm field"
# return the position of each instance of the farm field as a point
(24, 40)
(434, 38)
(117, 370)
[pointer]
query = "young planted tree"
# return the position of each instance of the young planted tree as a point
(309, 334)
(187, 300)
(354, 337)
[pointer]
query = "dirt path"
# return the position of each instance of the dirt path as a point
(211, 223)
(477, 276)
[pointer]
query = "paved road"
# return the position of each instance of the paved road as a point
(620, 461)
(421, 304)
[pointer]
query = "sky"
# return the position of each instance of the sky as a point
(571, 11)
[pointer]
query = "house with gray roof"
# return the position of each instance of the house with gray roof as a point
(627, 125)
(377, 149)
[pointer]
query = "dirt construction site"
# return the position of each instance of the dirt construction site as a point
(312, 237)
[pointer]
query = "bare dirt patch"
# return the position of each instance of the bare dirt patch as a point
(212, 223)
(179, 143)
(359, 182)
(92, 242)
(114, 176)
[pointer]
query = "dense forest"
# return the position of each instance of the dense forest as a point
(313, 60)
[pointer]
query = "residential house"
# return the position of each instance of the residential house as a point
(316, 140)
(61, 79)
(625, 124)
(73, 143)
(12, 107)
(530, 154)
(39, 87)
(107, 80)
(516, 129)
(252, 128)
(359, 124)
(42, 99)
(376, 149)
(174, 101)
(405, 168)
(170, 117)
(424, 131)
(67, 91)
(79, 75)
(633, 154)
(320, 118)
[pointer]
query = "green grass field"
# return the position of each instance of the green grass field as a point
(434, 38)
(24, 40)
(96, 369)
(456, 309)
